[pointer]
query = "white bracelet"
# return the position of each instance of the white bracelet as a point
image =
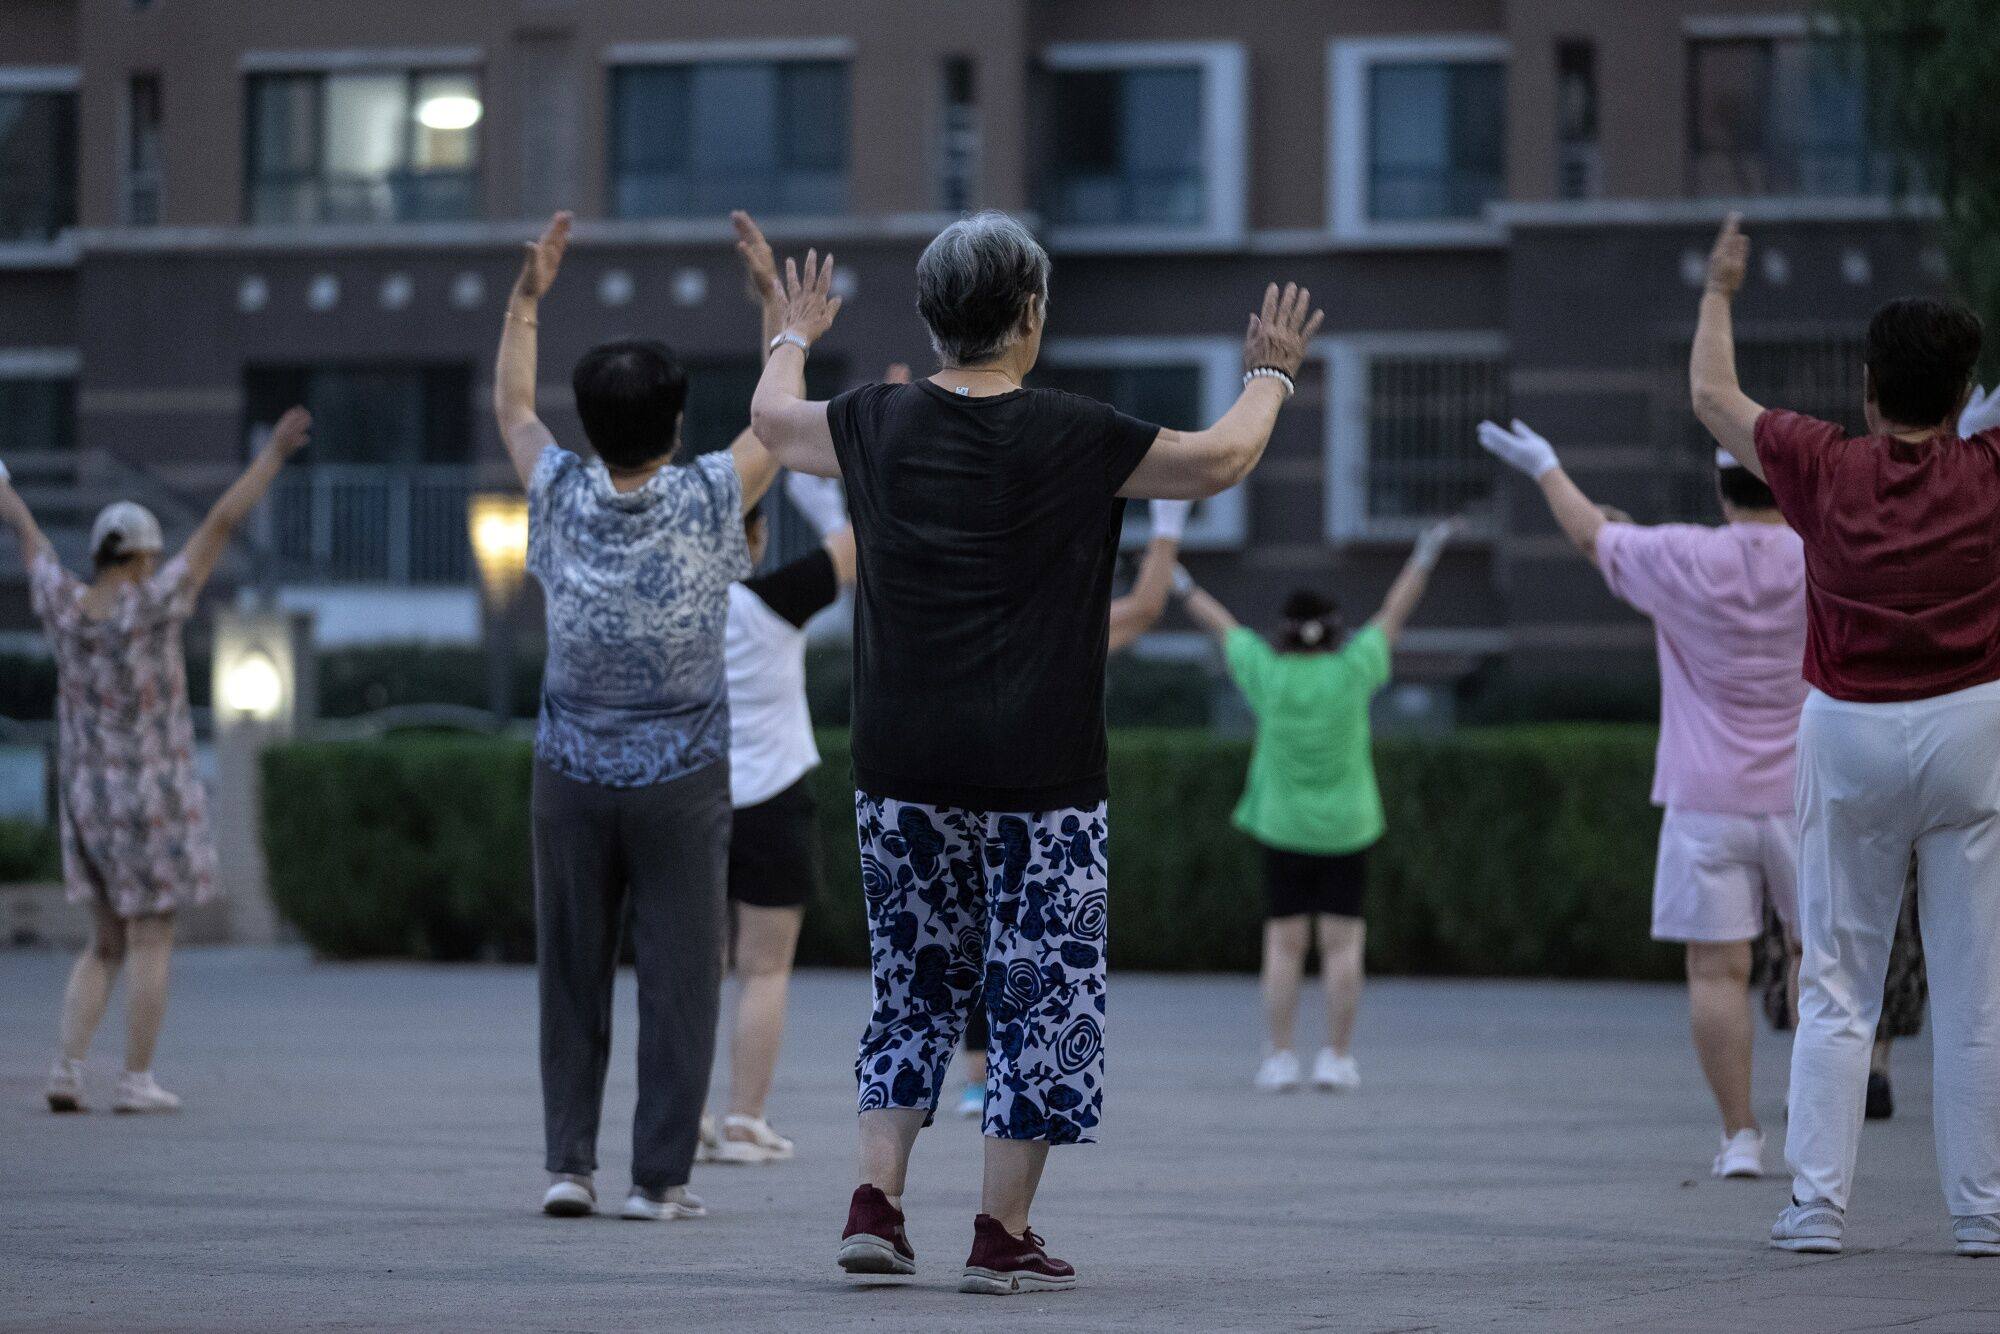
(796, 340)
(1271, 373)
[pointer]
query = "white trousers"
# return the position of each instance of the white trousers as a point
(1876, 781)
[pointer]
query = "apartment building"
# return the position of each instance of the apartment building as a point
(211, 210)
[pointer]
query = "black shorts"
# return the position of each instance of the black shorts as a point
(774, 859)
(1301, 882)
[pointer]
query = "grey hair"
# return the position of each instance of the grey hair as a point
(974, 283)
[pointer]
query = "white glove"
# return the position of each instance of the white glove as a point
(1169, 517)
(1431, 542)
(1519, 448)
(820, 499)
(1982, 412)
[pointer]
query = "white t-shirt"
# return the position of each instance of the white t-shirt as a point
(764, 654)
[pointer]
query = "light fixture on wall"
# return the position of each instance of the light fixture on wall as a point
(252, 686)
(497, 523)
(449, 111)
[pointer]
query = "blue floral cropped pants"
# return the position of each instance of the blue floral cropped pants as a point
(971, 905)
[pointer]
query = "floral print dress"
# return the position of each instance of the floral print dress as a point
(135, 832)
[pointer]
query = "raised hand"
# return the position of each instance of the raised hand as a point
(1730, 258)
(1432, 542)
(1982, 412)
(809, 305)
(1279, 334)
(544, 256)
(760, 266)
(292, 433)
(1520, 448)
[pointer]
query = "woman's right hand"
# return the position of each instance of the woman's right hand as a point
(809, 301)
(544, 257)
(292, 433)
(1281, 332)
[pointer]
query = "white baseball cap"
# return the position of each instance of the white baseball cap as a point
(132, 524)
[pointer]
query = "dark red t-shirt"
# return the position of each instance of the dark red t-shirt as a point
(1902, 561)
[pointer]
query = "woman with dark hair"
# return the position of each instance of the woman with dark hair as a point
(1311, 800)
(136, 843)
(1897, 738)
(988, 517)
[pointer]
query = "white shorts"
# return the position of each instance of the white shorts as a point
(1717, 871)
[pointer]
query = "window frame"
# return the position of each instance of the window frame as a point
(622, 56)
(50, 80)
(1350, 63)
(1345, 477)
(412, 66)
(1224, 71)
(1221, 522)
(40, 365)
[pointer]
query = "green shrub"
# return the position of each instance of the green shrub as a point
(28, 852)
(1511, 851)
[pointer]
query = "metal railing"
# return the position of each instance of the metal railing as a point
(367, 523)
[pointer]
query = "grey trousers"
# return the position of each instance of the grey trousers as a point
(666, 848)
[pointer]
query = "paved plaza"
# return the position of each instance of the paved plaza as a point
(361, 1150)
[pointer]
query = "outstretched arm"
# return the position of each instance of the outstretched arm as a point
(756, 466)
(1134, 614)
(211, 539)
(521, 430)
(1719, 401)
(793, 427)
(1528, 453)
(15, 514)
(1205, 611)
(1193, 465)
(1408, 590)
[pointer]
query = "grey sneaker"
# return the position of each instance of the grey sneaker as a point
(65, 1087)
(1814, 1226)
(1978, 1234)
(569, 1196)
(674, 1203)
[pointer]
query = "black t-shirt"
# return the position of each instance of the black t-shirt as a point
(988, 533)
(800, 590)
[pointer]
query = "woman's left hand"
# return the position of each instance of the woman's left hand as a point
(292, 433)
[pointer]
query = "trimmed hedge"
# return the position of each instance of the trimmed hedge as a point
(1511, 851)
(29, 852)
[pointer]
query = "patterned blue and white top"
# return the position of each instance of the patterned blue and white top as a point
(637, 588)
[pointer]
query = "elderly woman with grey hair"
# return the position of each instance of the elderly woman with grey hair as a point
(987, 516)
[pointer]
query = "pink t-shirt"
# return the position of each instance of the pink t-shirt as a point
(1729, 607)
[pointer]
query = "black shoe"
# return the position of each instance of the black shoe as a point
(1881, 1099)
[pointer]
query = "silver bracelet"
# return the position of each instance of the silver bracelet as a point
(1271, 373)
(796, 340)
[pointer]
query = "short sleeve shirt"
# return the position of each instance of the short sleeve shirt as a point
(1312, 785)
(987, 531)
(637, 592)
(1728, 610)
(1902, 555)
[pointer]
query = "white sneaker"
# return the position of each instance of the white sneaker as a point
(138, 1093)
(710, 1141)
(676, 1204)
(65, 1089)
(1813, 1228)
(1279, 1073)
(1742, 1154)
(763, 1145)
(1336, 1073)
(570, 1197)
(1977, 1235)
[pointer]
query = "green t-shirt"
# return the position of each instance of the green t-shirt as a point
(1312, 776)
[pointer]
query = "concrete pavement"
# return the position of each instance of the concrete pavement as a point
(360, 1150)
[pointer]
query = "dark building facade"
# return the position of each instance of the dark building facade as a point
(208, 211)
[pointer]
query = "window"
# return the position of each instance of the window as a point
(37, 414)
(718, 408)
(1179, 383)
(958, 136)
(37, 154)
(1402, 413)
(382, 493)
(1579, 169)
(1419, 137)
(363, 145)
(1143, 142)
(1772, 115)
(143, 112)
(690, 140)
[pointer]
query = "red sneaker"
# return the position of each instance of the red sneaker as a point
(874, 1242)
(1001, 1263)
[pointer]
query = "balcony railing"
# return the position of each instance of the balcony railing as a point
(362, 523)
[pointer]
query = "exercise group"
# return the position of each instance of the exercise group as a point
(1829, 660)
